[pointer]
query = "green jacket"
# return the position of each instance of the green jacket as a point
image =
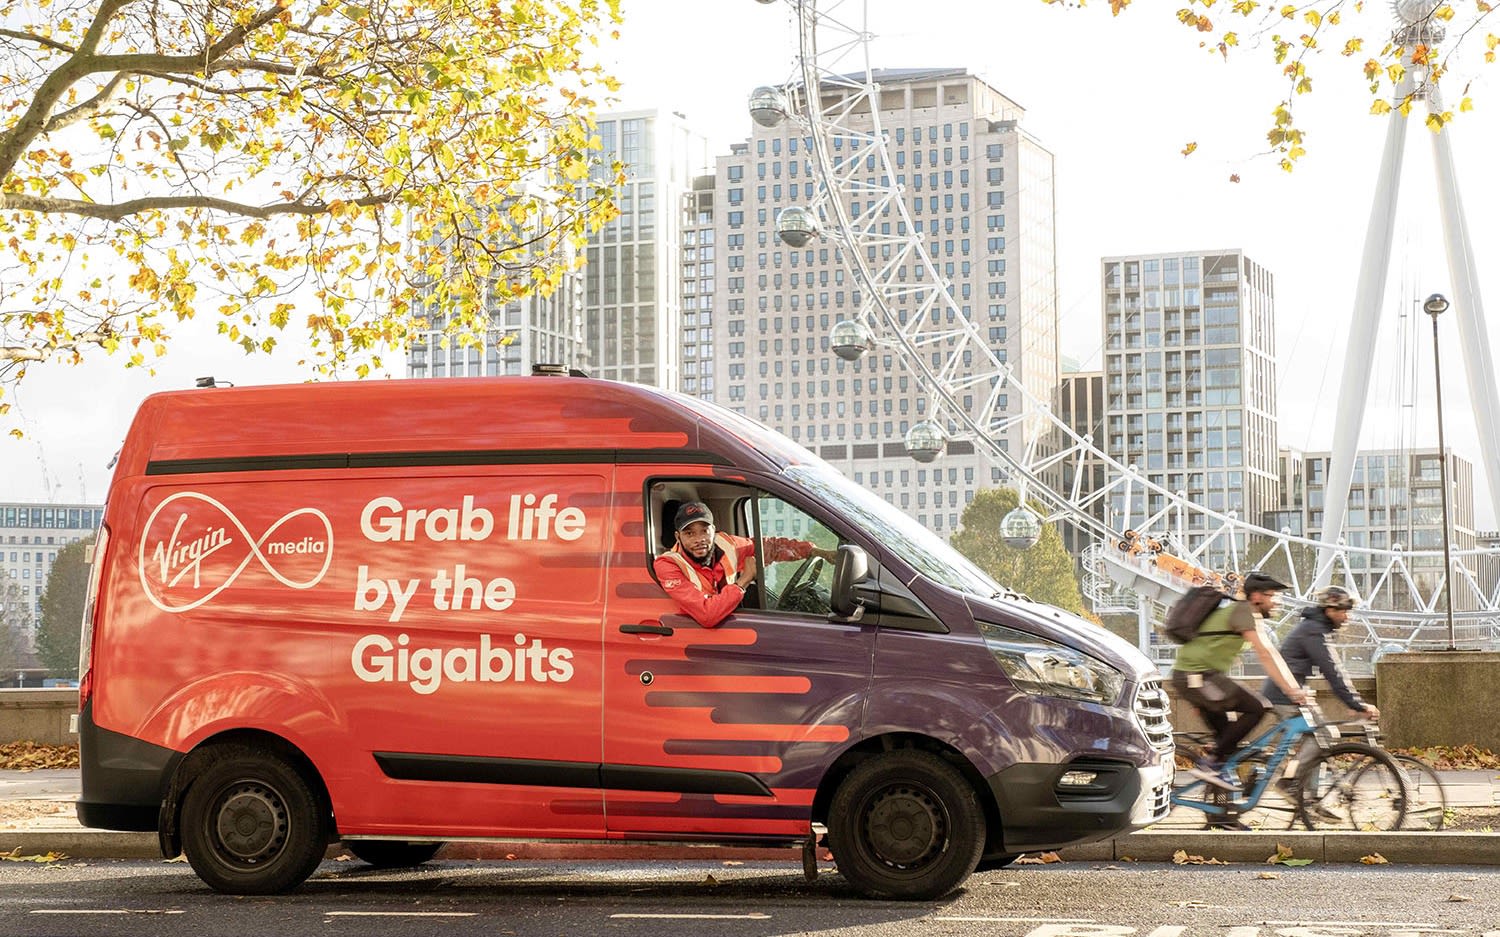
(1219, 641)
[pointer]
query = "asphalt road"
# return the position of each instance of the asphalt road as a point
(758, 900)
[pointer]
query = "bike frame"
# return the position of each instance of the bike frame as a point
(1279, 740)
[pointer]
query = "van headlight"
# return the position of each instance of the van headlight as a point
(1047, 668)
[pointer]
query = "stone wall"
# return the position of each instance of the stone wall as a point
(38, 716)
(1440, 698)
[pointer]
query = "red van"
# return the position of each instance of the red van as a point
(405, 613)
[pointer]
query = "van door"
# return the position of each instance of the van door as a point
(479, 710)
(726, 730)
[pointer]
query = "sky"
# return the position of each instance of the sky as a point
(1116, 100)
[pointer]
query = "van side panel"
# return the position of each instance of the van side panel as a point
(740, 721)
(428, 638)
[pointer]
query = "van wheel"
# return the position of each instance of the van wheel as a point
(251, 823)
(906, 825)
(392, 853)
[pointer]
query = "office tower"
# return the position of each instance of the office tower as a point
(633, 282)
(532, 330)
(30, 537)
(1396, 497)
(1080, 406)
(698, 266)
(1190, 383)
(980, 189)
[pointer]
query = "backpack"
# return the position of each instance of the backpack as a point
(1189, 613)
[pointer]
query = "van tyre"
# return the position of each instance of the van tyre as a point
(906, 824)
(252, 824)
(391, 853)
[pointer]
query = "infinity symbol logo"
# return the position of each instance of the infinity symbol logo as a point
(189, 558)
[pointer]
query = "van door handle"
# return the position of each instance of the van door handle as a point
(646, 629)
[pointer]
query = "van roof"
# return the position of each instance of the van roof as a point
(435, 421)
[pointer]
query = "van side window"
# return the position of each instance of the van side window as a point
(793, 585)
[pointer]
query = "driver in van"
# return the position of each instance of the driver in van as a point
(708, 571)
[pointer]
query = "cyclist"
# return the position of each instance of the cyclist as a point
(1307, 647)
(1201, 672)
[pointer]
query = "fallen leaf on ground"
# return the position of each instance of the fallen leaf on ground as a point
(1195, 903)
(1459, 898)
(343, 857)
(709, 880)
(1041, 858)
(1269, 875)
(31, 756)
(1374, 858)
(733, 862)
(1181, 857)
(1006, 884)
(15, 856)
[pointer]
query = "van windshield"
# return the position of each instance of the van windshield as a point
(915, 544)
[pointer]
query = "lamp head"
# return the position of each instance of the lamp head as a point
(1435, 305)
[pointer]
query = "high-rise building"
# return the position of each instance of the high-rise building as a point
(1080, 406)
(1190, 383)
(532, 330)
(30, 537)
(698, 266)
(1396, 497)
(634, 281)
(980, 190)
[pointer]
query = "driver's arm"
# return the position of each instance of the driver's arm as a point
(779, 549)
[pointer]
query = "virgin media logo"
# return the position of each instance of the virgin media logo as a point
(194, 548)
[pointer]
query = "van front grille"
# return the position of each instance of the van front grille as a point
(1151, 712)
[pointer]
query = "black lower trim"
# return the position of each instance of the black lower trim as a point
(356, 460)
(1034, 816)
(129, 817)
(411, 766)
(123, 778)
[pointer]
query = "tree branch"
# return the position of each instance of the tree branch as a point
(39, 40)
(87, 108)
(121, 210)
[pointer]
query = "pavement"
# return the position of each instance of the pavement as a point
(37, 817)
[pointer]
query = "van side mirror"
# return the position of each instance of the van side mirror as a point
(852, 565)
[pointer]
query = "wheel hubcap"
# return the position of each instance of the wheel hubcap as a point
(905, 826)
(252, 823)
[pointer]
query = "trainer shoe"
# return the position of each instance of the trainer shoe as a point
(1212, 772)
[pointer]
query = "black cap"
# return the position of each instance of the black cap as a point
(691, 513)
(1257, 581)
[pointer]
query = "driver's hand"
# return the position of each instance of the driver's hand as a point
(747, 573)
(829, 555)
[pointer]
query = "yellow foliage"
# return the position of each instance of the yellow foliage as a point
(409, 150)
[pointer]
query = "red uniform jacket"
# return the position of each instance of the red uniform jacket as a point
(701, 590)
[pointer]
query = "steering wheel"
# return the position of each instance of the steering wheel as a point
(804, 578)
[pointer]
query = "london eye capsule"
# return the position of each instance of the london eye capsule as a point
(926, 441)
(1020, 529)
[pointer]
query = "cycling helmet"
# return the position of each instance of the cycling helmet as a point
(1335, 597)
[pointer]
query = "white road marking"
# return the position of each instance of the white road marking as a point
(755, 916)
(400, 913)
(1408, 924)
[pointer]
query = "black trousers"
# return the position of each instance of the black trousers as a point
(1216, 696)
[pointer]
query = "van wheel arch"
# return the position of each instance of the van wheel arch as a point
(868, 748)
(169, 833)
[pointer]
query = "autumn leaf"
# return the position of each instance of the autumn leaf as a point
(1374, 858)
(1188, 150)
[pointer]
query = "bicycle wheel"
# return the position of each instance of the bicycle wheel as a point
(1352, 786)
(1426, 803)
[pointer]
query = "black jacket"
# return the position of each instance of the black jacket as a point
(1307, 647)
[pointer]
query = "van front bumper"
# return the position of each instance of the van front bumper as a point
(1049, 806)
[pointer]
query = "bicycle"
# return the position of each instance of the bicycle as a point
(1426, 801)
(1341, 785)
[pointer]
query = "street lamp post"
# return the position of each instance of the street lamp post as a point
(1434, 306)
